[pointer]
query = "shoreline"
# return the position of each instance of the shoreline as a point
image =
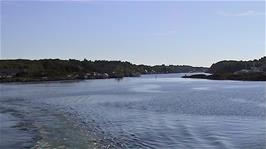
(50, 80)
(199, 75)
(40, 80)
(230, 76)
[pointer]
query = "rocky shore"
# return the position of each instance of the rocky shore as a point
(254, 76)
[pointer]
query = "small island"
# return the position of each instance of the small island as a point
(254, 70)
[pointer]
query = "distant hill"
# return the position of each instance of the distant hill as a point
(253, 70)
(233, 66)
(56, 69)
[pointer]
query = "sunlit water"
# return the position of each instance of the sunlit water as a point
(153, 111)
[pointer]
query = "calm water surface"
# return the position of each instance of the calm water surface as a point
(153, 111)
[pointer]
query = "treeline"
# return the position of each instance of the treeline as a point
(56, 69)
(234, 66)
(253, 70)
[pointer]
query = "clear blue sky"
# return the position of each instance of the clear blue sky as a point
(193, 33)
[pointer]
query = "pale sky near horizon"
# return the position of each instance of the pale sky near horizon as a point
(178, 32)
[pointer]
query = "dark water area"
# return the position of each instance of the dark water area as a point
(152, 111)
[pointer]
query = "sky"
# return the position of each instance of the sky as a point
(196, 33)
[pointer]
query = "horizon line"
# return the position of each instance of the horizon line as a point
(2, 59)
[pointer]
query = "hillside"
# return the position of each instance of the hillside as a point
(56, 69)
(253, 70)
(234, 66)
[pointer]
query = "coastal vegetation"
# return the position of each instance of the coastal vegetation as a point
(252, 70)
(22, 70)
(56, 69)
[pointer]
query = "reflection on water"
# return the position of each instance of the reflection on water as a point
(162, 111)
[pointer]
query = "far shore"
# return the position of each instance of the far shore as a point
(259, 76)
(199, 75)
(23, 70)
(15, 80)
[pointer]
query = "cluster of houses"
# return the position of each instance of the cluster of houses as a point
(93, 75)
(97, 75)
(11, 75)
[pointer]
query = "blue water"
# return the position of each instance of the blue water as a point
(152, 111)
